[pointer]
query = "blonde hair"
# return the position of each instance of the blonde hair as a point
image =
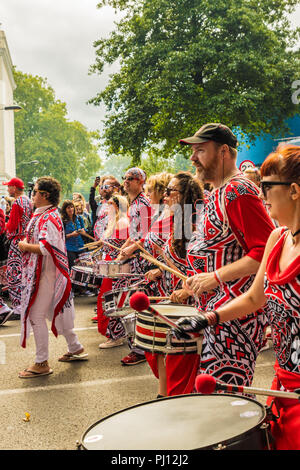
(122, 204)
(158, 183)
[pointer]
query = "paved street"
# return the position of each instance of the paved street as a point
(63, 405)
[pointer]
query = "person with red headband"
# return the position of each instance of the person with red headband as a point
(225, 253)
(19, 218)
(277, 284)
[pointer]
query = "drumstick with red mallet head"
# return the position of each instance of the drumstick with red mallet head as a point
(140, 302)
(207, 384)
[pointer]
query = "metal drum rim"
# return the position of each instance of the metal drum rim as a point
(228, 442)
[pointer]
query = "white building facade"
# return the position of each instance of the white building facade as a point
(7, 130)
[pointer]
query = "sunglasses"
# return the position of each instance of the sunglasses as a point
(34, 191)
(266, 185)
(129, 178)
(168, 191)
(106, 186)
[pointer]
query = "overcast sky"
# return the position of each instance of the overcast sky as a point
(54, 39)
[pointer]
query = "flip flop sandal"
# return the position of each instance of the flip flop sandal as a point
(33, 373)
(68, 357)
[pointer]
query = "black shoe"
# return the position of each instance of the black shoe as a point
(5, 316)
(14, 316)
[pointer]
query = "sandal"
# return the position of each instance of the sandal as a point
(69, 357)
(30, 373)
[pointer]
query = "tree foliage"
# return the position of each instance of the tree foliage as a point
(64, 149)
(187, 62)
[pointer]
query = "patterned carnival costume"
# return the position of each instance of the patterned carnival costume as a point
(3, 307)
(46, 284)
(232, 224)
(19, 218)
(112, 328)
(139, 213)
(181, 369)
(282, 290)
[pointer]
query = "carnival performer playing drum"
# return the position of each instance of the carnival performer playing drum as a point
(176, 373)
(109, 186)
(46, 282)
(277, 282)
(5, 311)
(19, 218)
(160, 229)
(140, 214)
(116, 234)
(225, 253)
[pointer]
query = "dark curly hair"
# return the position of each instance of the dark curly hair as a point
(192, 192)
(52, 187)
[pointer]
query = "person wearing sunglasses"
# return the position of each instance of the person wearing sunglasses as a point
(109, 186)
(225, 253)
(277, 285)
(46, 285)
(140, 214)
(116, 234)
(19, 217)
(176, 372)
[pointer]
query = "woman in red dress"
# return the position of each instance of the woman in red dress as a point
(116, 234)
(176, 373)
(277, 284)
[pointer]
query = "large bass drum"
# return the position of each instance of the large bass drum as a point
(189, 422)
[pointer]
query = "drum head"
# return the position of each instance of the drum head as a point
(175, 310)
(177, 423)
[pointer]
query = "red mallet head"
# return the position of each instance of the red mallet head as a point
(139, 301)
(205, 383)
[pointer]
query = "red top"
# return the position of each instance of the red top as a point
(2, 221)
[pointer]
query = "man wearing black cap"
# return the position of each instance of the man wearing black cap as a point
(225, 253)
(19, 218)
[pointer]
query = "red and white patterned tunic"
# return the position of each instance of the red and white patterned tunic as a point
(20, 215)
(102, 221)
(233, 224)
(283, 293)
(282, 289)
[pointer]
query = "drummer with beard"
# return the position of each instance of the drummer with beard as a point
(225, 253)
(109, 186)
(176, 373)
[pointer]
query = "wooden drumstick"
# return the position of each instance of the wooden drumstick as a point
(164, 266)
(88, 236)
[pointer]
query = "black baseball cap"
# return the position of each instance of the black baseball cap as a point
(212, 131)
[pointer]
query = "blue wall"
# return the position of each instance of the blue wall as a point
(261, 147)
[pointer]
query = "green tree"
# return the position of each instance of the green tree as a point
(63, 149)
(187, 62)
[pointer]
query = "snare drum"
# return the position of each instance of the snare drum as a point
(128, 323)
(116, 302)
(112, 269)
(189, 422)
(85, 276)
(84, 259)
(154, 335)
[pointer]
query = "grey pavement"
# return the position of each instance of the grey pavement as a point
(63, 405)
